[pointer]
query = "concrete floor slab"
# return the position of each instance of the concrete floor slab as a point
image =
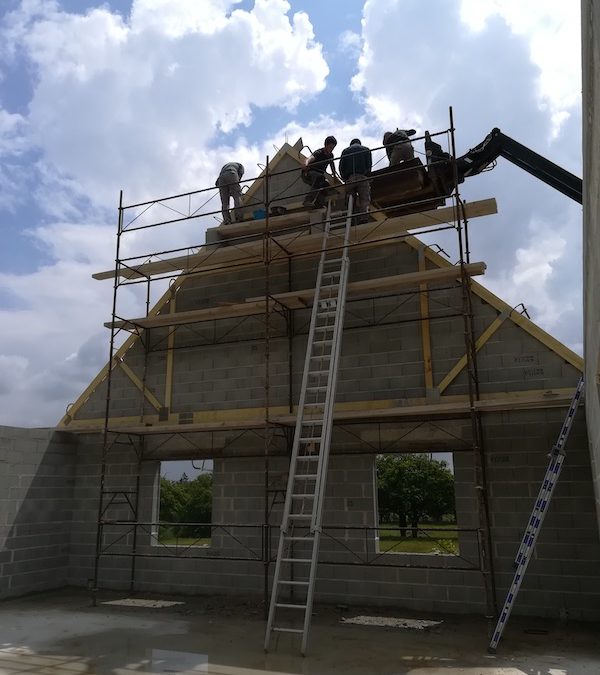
(60, 633)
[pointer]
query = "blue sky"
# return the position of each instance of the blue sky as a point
(152, 96)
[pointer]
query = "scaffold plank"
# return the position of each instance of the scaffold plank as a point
(215, 257)
(301, 299)
(354, 412)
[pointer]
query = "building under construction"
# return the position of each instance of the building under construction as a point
(292, 349)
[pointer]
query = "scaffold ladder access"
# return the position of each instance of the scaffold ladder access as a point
(298, 551)
(557, 456)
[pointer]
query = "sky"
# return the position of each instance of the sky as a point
(152, 96)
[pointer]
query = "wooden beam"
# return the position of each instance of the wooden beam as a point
(516, 317)
(154, 402)
(360, 411)
(215, 257)
(301, 299)
(249, 227)
(72, 410)
(462, 362)
(380, 285)
(425, 332)
(170, 357)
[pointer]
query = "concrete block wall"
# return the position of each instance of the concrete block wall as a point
(380, 360)
(36, 484)
(563, 578)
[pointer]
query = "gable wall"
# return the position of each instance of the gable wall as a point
(381, 360)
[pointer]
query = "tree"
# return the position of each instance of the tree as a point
(412, 487)
(186, 501)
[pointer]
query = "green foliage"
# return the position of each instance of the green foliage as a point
(412, 488)
(186, 501)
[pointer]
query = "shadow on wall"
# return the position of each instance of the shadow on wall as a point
(37, 473)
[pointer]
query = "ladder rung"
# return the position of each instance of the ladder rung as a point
(310, 439)
(306, 476)
(334, 273)
(313, 405)
(300, 516)
(332, 260)
(326, 314)
(293, 583)
(298, 560)
(289, 606)
(303, 495)
(287, 630)
(298, 539)
(322, 342)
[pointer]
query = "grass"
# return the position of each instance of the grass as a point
(444, 540)
(184, 541)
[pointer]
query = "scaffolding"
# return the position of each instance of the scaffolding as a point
(277, 236)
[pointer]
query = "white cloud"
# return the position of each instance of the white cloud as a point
(135, 102)
(139, 102)
(554, 34)
(350, 43)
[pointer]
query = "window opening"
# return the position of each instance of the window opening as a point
(185, 503)
(416, 504)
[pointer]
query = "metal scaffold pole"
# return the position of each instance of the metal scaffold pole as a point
(485, 543)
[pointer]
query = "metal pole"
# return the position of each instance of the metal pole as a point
(99, 529)
(267, 262)
(473, 388)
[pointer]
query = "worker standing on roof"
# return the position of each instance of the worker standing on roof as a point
(355, 164)
(313, 173)
(398, 146)
(228, 183)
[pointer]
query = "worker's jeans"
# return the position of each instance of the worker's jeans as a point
(358, 184)
(317, 182)
(229, 186)
(402, 152)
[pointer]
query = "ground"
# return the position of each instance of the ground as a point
(61, 633)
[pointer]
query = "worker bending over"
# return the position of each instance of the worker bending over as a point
(355, 164)
(313, 173)
(398, 146)
(228, 183)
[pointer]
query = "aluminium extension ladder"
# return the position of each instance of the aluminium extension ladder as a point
(297, 555)
(557, 456)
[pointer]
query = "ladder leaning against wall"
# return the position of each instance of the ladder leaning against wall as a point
(557, 457)
(298, 550)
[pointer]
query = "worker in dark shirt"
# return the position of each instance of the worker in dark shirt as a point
(228, 183)
(398, 146)
(313, 173)
(355, 164)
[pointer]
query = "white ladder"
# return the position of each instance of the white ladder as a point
(534, 525)
(297, 555)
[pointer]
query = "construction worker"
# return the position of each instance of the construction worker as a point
(398, 146)
(355, 164)
(313, 173)
(228, 183)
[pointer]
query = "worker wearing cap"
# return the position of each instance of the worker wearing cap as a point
(355, 165)
(398, 146)
(313, 172)
(228, 183)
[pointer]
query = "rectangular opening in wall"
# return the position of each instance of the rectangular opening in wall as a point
(416, 504)
(185, 503)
